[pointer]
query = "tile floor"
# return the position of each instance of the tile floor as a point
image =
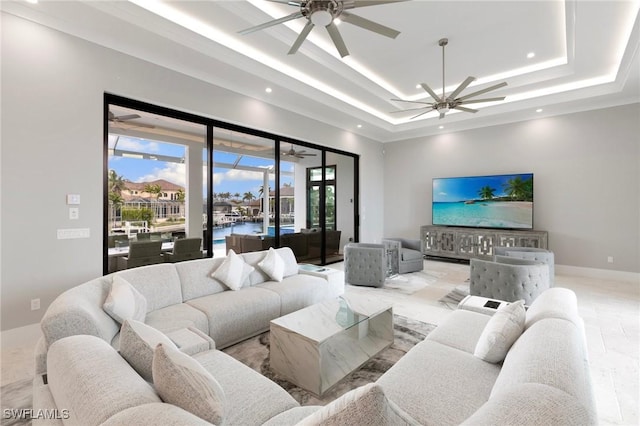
(610, 309)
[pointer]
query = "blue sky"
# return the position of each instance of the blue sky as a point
(466, 188)
(225, 180)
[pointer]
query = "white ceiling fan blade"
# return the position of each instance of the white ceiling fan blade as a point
(337, 39)
(301, 37)
(369, 25)
(461, 108)
(431, 93)
(477, 101)
(480, 92)
(411, 102)
(462, 86)
(127, 117)
(287, 18)
(408, 109)
(363, 3)
(290, 3)
(422, 113)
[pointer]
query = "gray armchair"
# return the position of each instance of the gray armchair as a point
(508, 278)
(365, 264)
(185, 249)
(537, 254)
(143, 253)
(406, 255)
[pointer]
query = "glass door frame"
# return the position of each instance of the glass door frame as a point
(113, 99)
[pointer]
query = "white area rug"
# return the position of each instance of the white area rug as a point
(409, 283)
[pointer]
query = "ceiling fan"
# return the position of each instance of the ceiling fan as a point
(446, 103)
(298, 154)
(324, 13)
(123, 119)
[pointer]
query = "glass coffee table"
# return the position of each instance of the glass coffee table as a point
(318, 346)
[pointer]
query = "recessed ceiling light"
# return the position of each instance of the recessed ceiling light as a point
(539, 110)
(418, 86)
(32, 1)
(268, 90)
(359, 126)
(531, 55)
(440, 127)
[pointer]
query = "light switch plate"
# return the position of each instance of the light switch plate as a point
(73, 199)
(70, 234)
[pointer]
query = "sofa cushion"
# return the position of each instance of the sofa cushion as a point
(366, 405)
(292, 416)
(196, 280)
(504, 327)
(237, 315)
(556, 302)
(180, 380)
(159, 284)
(233, 271)
(157, 413)
(545, 405)
(137, 343)
(461, 330)
(124, 302)
(90, 379)
(298, 291)
(551, 352)
(178, 316)
(272, 265)
(416, 383)
(79, 311)
(256, 398)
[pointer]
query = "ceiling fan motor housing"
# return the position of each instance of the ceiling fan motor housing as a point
(321, 12)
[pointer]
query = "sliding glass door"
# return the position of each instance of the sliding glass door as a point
(170, 175)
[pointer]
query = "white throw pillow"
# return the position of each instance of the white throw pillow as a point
(180, 380)
(233, 272)
(273, 265)
(137, 344)
(502, 330)
(124, 301)
(366, 405)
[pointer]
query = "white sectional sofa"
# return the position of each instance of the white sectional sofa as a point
(181, 295)
(544, 378)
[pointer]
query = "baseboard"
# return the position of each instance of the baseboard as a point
(603, 274)
(20, 336)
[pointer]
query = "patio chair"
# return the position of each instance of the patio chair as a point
(185, 249)
(143, 253)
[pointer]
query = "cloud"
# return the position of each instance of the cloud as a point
(172, 172)
(128, 144)
(442, 193)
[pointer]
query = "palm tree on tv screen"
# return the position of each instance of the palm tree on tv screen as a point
(486, 192)
(519, 189)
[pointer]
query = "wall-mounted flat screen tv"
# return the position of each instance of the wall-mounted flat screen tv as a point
(499, 201)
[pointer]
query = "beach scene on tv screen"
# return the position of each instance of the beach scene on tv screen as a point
(504, 201)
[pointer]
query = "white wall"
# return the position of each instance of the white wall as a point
(586, 180)
(52, 97)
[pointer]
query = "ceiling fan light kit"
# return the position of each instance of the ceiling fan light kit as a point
(446, 103)
(323, 13)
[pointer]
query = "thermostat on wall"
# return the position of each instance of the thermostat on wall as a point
(73, 198)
